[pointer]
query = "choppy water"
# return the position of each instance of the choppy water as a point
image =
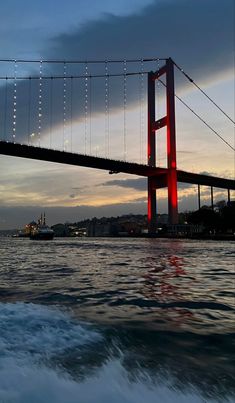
(117, 321)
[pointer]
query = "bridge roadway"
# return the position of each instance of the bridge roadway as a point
(113, 166)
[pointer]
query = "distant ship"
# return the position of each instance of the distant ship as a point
(41, 231)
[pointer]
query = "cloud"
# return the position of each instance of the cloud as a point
(137, 184)
(183, 29)
(18, 216)
(197, 34)
(186, 152)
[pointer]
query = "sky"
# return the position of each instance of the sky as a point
(197, 34)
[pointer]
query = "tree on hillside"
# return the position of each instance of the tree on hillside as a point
(206, 217)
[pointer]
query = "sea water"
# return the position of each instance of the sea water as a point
(116, 321)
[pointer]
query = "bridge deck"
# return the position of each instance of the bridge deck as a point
(114, 166)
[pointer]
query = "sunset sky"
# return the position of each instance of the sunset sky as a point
(197, 34)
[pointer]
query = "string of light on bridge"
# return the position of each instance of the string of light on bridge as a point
(46, 99)
(52, 61)
(48, 96)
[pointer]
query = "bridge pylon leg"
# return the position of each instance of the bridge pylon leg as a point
(199, 196)
(171, 145)
(152, 201)
(229, 197)
(152, 207)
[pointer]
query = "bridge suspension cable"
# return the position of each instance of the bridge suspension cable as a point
(154, 59)
(203, 92)
(200, 118)
(87, 76)
(59, 77)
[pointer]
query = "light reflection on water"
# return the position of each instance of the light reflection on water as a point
(164, 307)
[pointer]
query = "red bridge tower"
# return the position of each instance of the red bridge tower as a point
(153, 126)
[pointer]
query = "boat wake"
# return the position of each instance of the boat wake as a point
(47, 356)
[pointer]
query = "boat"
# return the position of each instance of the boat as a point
(41, 231)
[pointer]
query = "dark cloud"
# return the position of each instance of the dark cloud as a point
(197, 34)
(206, 173)
(184, 185)
(17, 217)
(137, 184)
(186, 152)
(80, 189)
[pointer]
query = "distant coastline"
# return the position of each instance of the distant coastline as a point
(203, 224)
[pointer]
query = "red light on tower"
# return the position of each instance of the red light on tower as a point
(153, 126)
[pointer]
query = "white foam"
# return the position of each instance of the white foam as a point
(29, 332)
(39, 330)
(31, 384)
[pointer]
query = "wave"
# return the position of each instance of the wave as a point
(35, 340)
(38, 330)
(27, 384)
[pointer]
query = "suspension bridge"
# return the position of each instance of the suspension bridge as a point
(42, 115)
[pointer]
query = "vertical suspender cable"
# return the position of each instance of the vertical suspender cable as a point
(14, 103)
(51, 109)
(90, 133)
(124, 106)
(5, 109)
(86, 105)
(141, 105)
(106, 110)
(71, 114)
(40, 104)
(29, 108)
